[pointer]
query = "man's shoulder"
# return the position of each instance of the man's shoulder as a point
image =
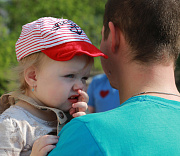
(90, 120)
(116, 130)
(94, 120)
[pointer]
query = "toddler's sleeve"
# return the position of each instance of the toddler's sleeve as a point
(11, 140)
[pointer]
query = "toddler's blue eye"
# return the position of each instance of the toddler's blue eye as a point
(70, 76)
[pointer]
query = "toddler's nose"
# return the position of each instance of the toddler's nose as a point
(79, 85)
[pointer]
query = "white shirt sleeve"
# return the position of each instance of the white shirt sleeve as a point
(11, 137)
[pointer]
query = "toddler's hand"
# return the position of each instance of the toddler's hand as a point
(79, 108)
(44, 144)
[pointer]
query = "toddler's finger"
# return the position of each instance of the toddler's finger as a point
(78, 114)
(52, 139)
(44, 141)
(72, 111)
(82, 106)
(83, 96)
(47, 149)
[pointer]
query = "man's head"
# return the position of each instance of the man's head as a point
(150, 27)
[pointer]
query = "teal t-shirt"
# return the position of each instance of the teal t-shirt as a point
(143, 125)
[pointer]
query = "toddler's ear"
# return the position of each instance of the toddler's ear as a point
(30, 76)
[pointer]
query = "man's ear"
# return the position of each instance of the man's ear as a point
(114, 36)
(30, 75)
(118, 41)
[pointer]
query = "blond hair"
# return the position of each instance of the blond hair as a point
(35, 60)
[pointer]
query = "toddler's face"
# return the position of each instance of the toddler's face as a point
(59, 81)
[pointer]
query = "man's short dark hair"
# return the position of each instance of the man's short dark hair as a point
(151, 27)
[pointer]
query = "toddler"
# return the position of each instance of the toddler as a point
(55, 58)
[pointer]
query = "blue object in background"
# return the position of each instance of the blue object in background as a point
(101, 95)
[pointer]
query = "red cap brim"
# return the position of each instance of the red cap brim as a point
(67, 51)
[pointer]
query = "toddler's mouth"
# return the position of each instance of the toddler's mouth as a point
(73, 98)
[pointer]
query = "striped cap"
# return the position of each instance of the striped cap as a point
(59, 39)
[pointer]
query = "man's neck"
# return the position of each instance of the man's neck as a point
(157, 78)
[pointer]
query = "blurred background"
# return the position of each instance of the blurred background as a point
(88, 14)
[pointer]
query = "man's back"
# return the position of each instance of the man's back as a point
(143, 125)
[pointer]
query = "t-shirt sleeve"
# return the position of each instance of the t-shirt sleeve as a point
(76, 139)
(11, 142)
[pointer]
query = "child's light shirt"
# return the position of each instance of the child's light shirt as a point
(19, 129)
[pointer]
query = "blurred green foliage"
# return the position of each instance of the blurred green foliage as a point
(88, 14)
